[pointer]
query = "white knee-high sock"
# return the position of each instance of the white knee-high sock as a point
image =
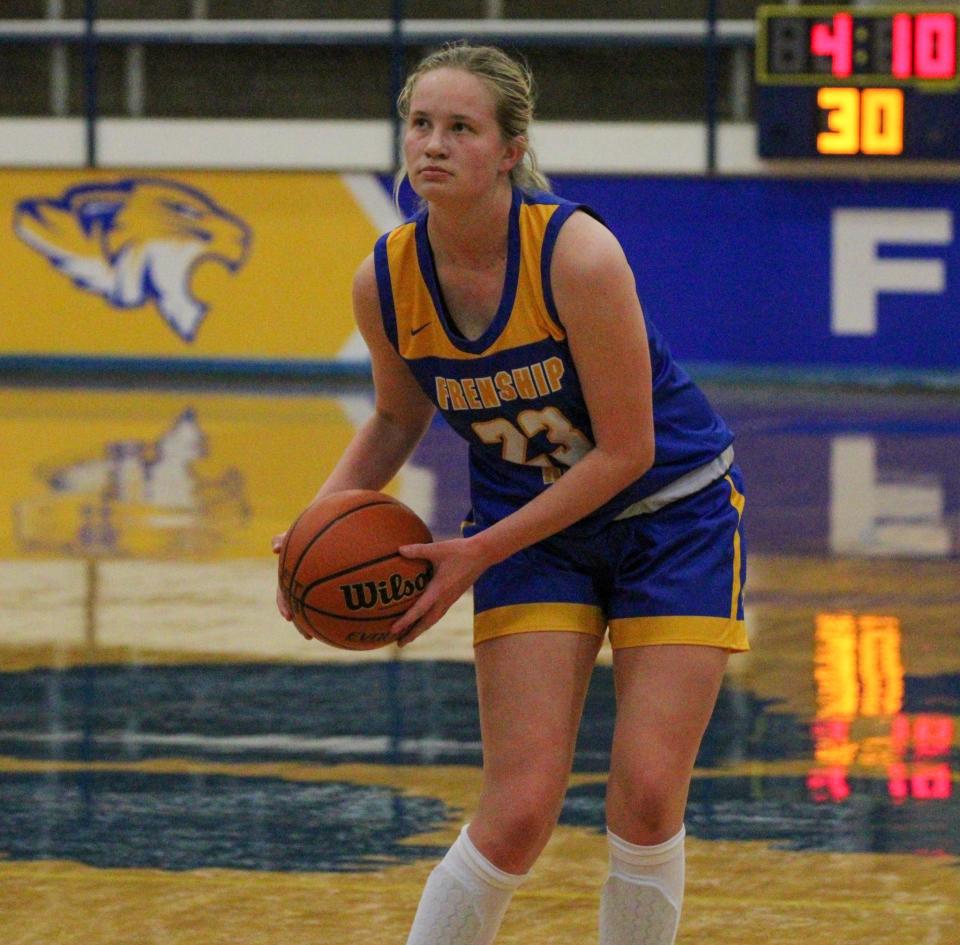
(642, 897)
(464, 900)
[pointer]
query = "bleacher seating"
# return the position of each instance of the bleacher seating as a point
(649, 82)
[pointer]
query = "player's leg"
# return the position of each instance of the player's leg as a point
(665, 695)
(531, 691)
(676, 613)
(537, 629)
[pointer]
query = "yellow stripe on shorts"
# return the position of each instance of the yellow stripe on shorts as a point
(533, 618)
(737, 500)
(728, 634)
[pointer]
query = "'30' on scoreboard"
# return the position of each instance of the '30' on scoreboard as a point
(842, 81)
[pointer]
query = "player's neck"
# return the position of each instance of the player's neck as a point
(473, 237)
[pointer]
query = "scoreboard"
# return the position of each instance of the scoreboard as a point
(864, 82)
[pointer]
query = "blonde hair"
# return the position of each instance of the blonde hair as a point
(511, 83)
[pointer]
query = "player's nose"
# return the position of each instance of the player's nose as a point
(436, 143)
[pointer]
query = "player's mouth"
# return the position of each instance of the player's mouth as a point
(434, 172)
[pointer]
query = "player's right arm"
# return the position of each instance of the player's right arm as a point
(402, 412)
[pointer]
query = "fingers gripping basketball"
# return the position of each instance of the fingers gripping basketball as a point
(341, 573)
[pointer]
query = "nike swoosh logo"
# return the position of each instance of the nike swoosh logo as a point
(416, 331)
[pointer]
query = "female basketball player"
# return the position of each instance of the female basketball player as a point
(602, 488)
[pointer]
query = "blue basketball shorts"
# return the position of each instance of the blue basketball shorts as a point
(671, 576)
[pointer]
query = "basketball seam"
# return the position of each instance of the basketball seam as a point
(353, 567)
(330, 613)
(329, 525)
(337, 643)
(327, 639)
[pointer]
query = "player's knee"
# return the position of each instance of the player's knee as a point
(531, 810)
(520, 818)
(644, 803)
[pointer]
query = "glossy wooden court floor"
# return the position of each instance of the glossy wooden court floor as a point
(178, 767)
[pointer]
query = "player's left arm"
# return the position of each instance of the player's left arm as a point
(596, 297)
(595, 294)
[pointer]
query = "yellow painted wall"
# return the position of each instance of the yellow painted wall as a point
(294, 239)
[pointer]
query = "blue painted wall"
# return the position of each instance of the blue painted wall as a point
(741, 270)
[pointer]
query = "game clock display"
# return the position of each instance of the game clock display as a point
(858, 82)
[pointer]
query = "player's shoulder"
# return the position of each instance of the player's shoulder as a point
(365, 278)
(574, 230)
(585, 244)
(583, 223)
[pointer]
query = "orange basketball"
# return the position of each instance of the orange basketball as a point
(340, 570)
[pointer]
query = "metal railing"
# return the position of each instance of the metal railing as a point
(382, 32)
(396, 33)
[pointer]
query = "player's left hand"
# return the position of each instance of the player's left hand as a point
(457, 563)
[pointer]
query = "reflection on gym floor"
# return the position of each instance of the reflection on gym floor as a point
(178, 766)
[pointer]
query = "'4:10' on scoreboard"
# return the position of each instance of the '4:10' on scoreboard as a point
(845, 82)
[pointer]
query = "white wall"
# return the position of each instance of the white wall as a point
(562, 147)
(596, 147)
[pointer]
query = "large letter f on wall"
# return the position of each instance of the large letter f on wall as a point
(859, 274)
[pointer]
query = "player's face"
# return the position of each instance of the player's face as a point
(453, 145)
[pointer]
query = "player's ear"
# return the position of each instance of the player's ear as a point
(514, 150)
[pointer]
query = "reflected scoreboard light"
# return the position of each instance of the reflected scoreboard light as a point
(842, 82)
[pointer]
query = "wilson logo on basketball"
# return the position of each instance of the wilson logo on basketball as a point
(370, 594)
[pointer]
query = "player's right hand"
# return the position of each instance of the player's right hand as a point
(282, 605)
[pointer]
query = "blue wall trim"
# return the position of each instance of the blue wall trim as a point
(202, 367)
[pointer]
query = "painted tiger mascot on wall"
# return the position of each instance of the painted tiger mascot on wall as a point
(136, 241)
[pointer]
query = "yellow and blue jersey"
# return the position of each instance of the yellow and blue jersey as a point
(513, 393)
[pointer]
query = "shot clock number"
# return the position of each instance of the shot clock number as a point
(861, 121)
